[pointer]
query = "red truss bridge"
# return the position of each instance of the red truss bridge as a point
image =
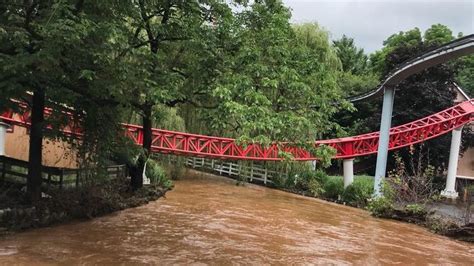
(185, 144)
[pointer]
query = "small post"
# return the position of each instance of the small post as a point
(61, 178)
(450, 190)
(3, 136)
(265, 176)
(4, 169)
(77, 179)
(251, 171)
(348, 166)
(384, 138)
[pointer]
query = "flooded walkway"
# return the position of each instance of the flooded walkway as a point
(211, 220)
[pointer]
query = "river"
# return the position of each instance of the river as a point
(210, 220)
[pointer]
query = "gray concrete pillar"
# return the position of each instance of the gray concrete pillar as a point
(450, 190)
(384, 137)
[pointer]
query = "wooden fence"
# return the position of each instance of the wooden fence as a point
(17, 171)
(250, 172)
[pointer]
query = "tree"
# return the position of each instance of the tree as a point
(353, 59)
(465, 74)
(437, 34)
(57, 52)
(410, 38)
(174, 48)
(280, 82)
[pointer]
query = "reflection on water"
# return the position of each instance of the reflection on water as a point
(211, 220)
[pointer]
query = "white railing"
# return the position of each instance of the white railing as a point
(232, 169)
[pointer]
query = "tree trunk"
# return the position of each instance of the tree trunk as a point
(36, 147)
(137, 174)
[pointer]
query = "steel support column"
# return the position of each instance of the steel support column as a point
(384, 137)
(450, 190)
(348, 166)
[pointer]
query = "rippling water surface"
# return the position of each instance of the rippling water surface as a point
(211, 220)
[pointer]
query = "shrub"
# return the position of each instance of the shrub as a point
(315, 187)
(157, 175)
(333, 187)
(380, 207)
(416, 209)
(359, 192)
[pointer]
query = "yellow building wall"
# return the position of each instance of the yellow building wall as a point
(55, 153)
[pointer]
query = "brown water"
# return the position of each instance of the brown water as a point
(213, 221)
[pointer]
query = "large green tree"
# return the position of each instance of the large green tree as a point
(174, 50)
(280, 83)
(58, 52)
(353, 59)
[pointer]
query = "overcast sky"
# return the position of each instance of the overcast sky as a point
(370, 22)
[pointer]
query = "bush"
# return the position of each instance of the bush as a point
(157, 175)
(315, 187)
(416, 209)
(359, 192)
(333, 187)
(380, 207)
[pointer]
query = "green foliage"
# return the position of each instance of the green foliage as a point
(378, 60)
(465, 74)
(315, 187)
(416, 209)
(353, 59)
(333, 187)
(380, 206)
(127, 154)
(359, 192)
(157, 175)
(352, 84)
(279, 82)
(438, 34)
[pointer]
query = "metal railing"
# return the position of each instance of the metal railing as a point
(249, 172)
(15, 170)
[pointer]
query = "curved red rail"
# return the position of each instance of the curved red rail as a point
(179, 143)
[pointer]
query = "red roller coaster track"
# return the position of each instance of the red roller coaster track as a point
(179, 143)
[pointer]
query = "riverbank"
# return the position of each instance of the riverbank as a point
(59, 206)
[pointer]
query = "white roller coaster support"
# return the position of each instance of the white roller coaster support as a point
(3, 135)
(384, 137)
(348, 165)
(450, 190)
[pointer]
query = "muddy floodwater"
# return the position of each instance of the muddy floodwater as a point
(210, 220)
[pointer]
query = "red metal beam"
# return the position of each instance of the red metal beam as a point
(185, 144)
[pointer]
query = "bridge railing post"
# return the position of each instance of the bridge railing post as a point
(265, 176)
(450, 190)
(251, 171)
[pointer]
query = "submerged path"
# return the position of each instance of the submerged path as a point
(215, 221)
